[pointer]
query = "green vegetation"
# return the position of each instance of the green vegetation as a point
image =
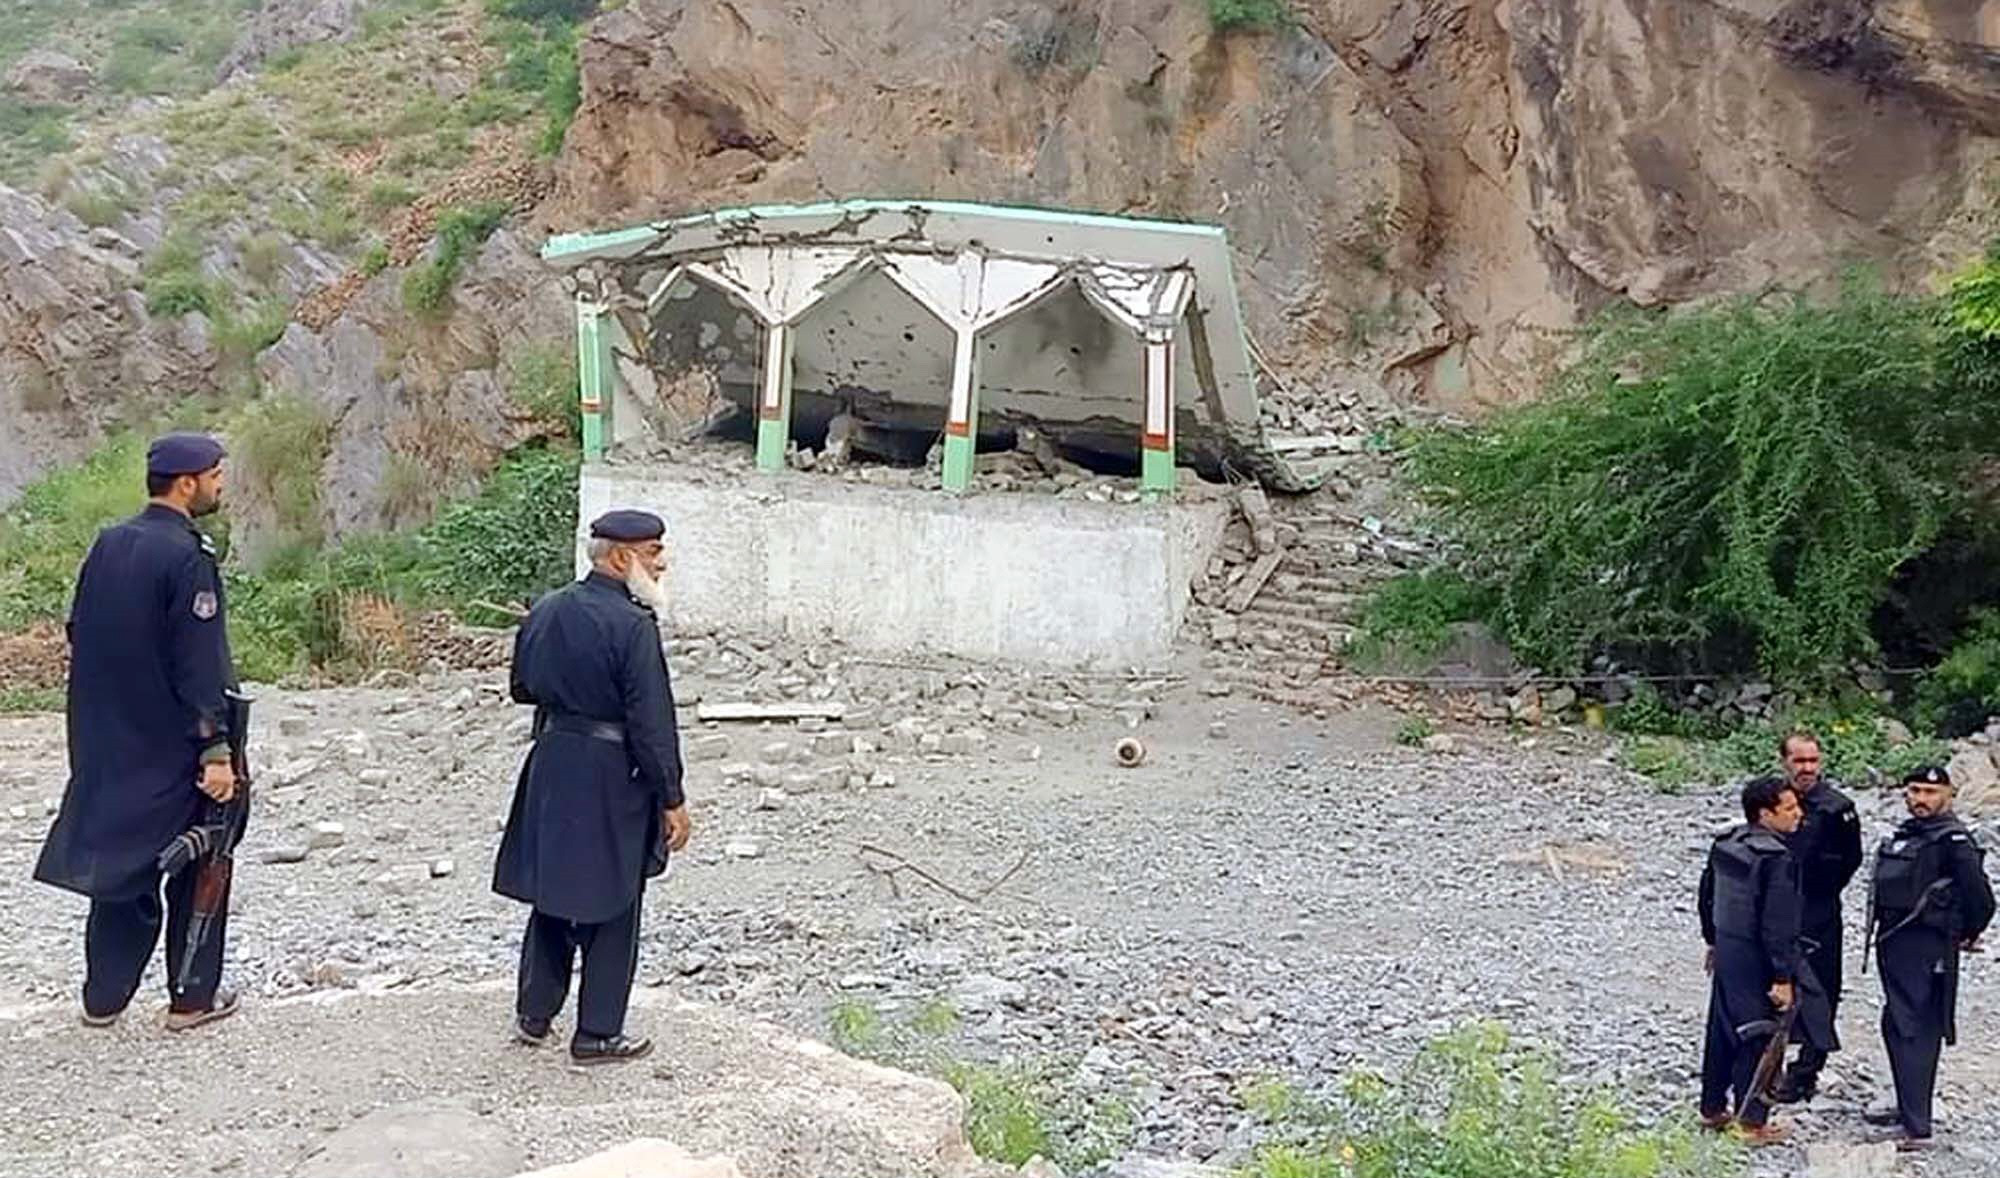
(1413, 731)
(542, 382)
(174, 281)
(172, 48)
(29, 135)
(16, 701)
(1228, 15)
(1474, 1105)
(1677, 748)
(459, 232)
(44, 535)
(1960, 692)
(1410, 617)
(539, 40)
(1776, 485)
(310, 608)
(1013, 1111)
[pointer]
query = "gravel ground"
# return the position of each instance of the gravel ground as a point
(1269, 894)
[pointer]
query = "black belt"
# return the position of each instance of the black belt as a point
(603, 730)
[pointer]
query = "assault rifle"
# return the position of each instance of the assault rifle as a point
(209, 847)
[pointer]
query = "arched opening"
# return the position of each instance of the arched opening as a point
(872, 351)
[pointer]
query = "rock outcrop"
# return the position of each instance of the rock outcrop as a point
(77, 346)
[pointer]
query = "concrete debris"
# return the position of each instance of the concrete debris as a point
(326, 835)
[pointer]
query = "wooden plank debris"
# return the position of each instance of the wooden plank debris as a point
(1252, 584)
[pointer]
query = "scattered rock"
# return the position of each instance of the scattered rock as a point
(443, 868)
(1829, 1160)
(709, 746)
(1440, 742)
(742, 849)
(291, 726)
(285, 853)
(771, 800)
(326, 835)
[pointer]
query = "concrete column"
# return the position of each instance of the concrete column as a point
(961, 427)
(774, 405)
(595, 371)
(1156, 471)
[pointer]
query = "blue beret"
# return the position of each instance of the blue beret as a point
(178, 454)
(1927, 775)
(628, 527)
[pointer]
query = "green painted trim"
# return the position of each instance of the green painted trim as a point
(774, 434)
(575, 246)
(958, 462)
(1156, 472)
(594, 377)
(771, 439)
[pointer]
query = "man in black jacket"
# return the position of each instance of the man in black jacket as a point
(1749, 910)
(1932, 901)
(1827, 849)
(599, 802)
(148, 736)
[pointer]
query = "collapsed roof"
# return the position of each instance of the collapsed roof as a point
(1116, 337)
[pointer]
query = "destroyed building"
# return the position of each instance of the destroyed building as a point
(936, 355)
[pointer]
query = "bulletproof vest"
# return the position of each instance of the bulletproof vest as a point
(1906, 864)
(1737, 857)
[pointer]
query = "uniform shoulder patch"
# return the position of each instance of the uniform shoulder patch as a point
(204, 605)
(1959, 836)
(207, 545)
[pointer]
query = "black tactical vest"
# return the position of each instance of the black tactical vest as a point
(1906, 864)
(1738, 858)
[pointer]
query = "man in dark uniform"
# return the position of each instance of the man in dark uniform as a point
(1931, 901)
(148, 737)
(1750, 918)
(599, 803)
(1827, 849)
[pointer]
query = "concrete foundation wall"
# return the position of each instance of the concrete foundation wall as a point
(1018, 577)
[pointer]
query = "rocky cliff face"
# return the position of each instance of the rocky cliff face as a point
(1423, 193)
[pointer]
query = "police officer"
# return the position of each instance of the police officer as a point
(1749, 910)
(599, 805)
(1827, 849)
(148, 736)
(1931, 901)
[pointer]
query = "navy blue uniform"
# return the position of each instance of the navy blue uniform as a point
(585, 829)
(1919, 959)
(1827, 848)
(1749, 907)
(149, 666)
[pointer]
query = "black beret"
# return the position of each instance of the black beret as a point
(1927, 775)
(628, 527)
(179, 454)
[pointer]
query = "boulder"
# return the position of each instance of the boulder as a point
(45, 76)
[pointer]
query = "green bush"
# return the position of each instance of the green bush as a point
(278, 450)
(543, 384)
(1227, 15)
(29, 135)
(45, 534)
(1475, 1105)
(459, 232)
(174, 281)
(1410, 617)
(1958, 695)
(1740, 477)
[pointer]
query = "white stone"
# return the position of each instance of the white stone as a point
(327, 834)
